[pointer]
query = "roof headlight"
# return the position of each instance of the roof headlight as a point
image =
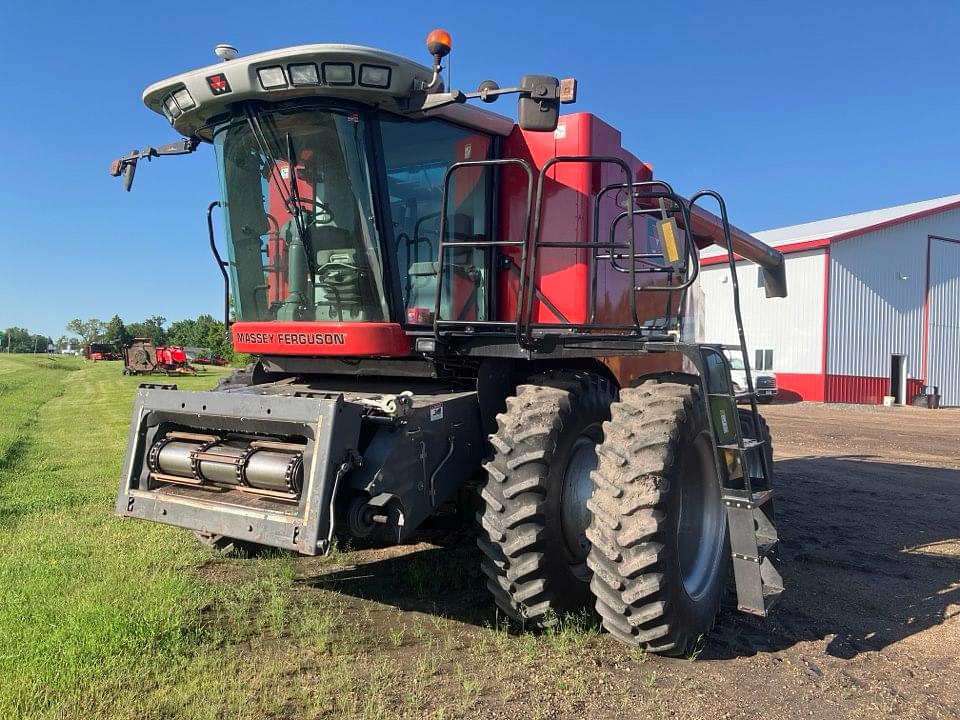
(375, 76)
(272, 78)
(304, 74)
(338, 74)
(170, 107)
(184, 99)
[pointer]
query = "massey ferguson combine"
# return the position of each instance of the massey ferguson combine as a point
(450, 309)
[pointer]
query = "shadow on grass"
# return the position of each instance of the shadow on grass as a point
(443, 580)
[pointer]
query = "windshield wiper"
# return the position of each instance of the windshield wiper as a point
(286, 194)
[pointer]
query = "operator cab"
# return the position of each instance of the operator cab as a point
(332, 161)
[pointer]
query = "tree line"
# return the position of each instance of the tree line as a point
(21, 340)
(201, 332)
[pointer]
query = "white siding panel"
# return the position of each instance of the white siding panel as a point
(944, 319)
(791, 326)
(877, 289)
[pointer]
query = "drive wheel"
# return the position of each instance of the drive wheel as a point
(534, 514)
(660, 555)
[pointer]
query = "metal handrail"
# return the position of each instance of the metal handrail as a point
(738, 315)
(528, 323)
(222, 264)
(443, 244)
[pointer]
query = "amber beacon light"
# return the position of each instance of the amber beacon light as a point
(439, 43)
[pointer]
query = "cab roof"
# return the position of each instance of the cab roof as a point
(353, 72)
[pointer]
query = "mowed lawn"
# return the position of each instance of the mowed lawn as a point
(102, 617)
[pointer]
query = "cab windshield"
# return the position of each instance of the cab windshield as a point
(299, 216)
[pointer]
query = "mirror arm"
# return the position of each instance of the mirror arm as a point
(455, 97)
(439, 100)
(484, 94)
(127, 165)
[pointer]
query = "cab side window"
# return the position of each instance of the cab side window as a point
(417, 155)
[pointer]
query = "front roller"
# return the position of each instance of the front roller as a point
(260, 469)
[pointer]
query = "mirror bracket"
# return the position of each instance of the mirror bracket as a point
(127, 166)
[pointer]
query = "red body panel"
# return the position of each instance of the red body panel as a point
(567, 216)
(279, 216)
(562, 274)
(315, 338)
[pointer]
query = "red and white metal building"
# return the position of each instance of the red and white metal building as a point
(873, 306)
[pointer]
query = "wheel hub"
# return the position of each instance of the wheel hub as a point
(577, 489)
(702, 522)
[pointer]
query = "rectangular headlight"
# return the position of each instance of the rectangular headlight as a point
(272, 77)
(172, 110)
(184, 99)
(305, 74)
(374, 76)
(338, 73)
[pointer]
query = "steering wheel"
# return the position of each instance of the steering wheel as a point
(316, 208)
(337, 265)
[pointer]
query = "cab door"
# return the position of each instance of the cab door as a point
(417, 155)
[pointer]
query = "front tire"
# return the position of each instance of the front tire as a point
(660, 555)
(534, 512)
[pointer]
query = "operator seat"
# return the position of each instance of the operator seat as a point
(462, 283)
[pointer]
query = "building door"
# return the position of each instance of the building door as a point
(898, 378)
(943, 320)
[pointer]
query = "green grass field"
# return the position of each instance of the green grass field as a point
(108, 618)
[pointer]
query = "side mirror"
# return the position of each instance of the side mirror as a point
(127, 167)
(128, 173)
(538, 107)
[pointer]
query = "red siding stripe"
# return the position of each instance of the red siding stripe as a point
(864, 390)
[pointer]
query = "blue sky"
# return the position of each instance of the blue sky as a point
(795, 111)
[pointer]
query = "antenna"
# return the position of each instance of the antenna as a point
(225, 52)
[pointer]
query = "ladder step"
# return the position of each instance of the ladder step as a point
(771, 596)
(748, 444)
(744, 395)
(765, 546)
(740, 498)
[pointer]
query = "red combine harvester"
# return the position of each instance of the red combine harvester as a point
(451, 310)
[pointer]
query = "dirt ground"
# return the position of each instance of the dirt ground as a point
(868, 508)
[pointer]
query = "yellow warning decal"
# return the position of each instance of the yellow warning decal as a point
(669, 240)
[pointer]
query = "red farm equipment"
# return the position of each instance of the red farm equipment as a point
(142, 357)
(102, 351)
(451, 308)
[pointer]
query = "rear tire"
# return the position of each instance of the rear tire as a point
(534, 512)
(660, 555)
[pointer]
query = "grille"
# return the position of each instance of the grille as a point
(766, 382)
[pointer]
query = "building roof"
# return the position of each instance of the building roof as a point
(819, 233)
